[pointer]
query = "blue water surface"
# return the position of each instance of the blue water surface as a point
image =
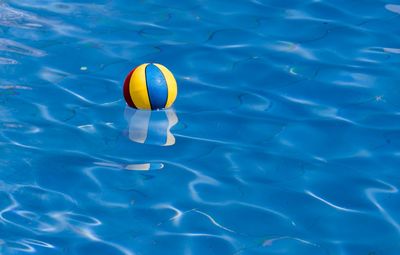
(284, 138)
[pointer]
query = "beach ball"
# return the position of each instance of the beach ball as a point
(150, 86)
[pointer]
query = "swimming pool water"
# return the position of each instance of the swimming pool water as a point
(284, 138)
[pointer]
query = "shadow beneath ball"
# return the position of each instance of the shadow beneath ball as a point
(151, 127)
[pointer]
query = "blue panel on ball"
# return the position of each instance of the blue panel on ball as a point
(156, 87)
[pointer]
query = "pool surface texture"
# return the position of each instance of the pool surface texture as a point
(284, 138)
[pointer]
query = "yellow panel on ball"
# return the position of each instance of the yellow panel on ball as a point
(138, 88)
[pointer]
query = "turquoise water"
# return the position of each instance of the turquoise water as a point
(284, 138)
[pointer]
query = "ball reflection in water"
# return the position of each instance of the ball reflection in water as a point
(151, 127)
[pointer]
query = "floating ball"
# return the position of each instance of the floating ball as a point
(150, 87)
